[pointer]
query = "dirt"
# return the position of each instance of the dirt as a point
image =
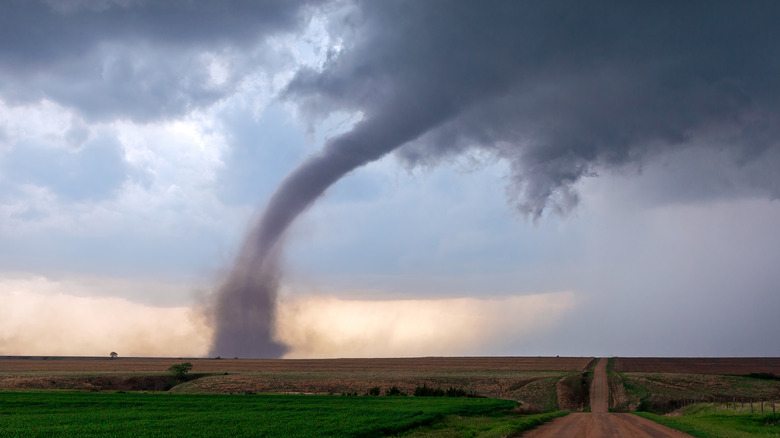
(698, 365)
(93, 383)
(619, 400)
(535, 390)
(582, 425)
(253, 365)
(572, 392)
(514, 378)
(599, 389)
(600, 423)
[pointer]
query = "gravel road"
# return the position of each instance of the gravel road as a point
(599, 422)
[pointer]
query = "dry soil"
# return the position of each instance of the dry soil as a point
(599, 422)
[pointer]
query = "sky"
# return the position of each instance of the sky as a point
(458, 178)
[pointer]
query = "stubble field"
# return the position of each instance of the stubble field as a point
(696, 365)
(64, 364)
(529, 380)
(666, 384)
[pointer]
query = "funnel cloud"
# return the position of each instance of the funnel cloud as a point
(558, 90)
(246, 302)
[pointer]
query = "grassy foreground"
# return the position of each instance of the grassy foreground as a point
(65, 413)
(706, 421)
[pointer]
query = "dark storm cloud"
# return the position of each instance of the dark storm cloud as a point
(39, 34)
(133, 59)
(558, 89)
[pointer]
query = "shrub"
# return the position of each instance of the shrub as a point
(426, 391)
(374, 391)
(764, 376)
(394, 391)
(180, 370)
(456, 392)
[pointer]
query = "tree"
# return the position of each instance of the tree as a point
(180, 370)
(113, 355)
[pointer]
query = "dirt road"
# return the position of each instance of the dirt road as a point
(599, 389)
(599, 422)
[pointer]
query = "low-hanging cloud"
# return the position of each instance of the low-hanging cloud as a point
(332, 327)
(44, 316)
(41, 316)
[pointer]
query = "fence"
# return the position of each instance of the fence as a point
(755, 406)
(734, 402)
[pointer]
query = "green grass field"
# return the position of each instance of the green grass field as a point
(66, 413)
(707, 421)
(493, 425)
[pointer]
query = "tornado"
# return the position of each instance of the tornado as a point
(245, 305)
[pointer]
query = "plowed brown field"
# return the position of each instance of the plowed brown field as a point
(62, 364)
(530, 380)
(696, 365)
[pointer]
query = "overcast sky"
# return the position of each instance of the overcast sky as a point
(526, 178)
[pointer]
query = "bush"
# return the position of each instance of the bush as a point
(180, 370)
(764, 376)
(426, 391)
(456, 392)
(374, 391)
(394, 391)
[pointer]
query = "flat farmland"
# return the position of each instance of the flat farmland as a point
(696, 365)
(135, 365)
(529, 380)
(663, 385)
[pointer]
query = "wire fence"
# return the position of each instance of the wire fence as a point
(737, 404)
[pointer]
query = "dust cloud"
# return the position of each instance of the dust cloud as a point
(40, 317)
(317, 327)
(43, 317)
